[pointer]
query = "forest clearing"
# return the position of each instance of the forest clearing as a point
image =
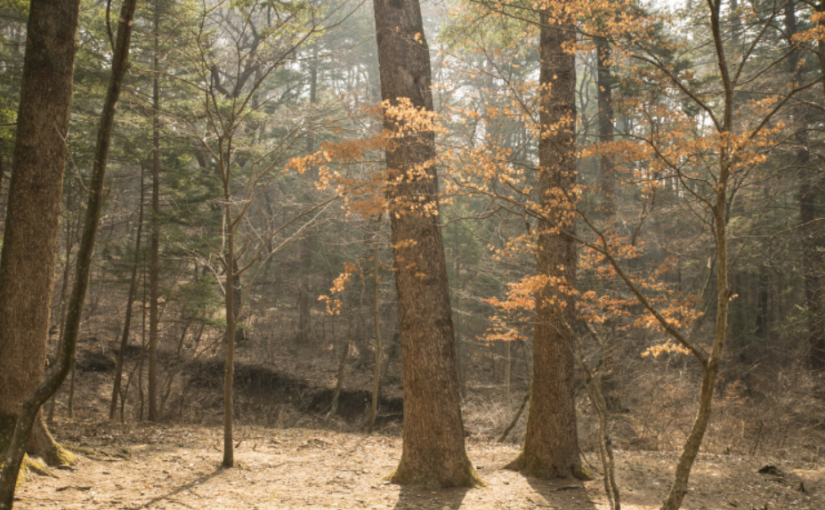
(432, 254)
(177, 467)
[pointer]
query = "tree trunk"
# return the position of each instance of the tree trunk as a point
(607, 177)
(127, 321)
(33, 214)
(229, 367)
(710, 365)
(433, 435)
(154, 257)
(308, 241)
(61, 35)
(64, 287)
(811, 256)
(376, 324)
(551, 448)
(342, 365)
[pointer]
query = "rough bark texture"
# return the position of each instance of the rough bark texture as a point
(30, 406)
(433, 436)
(33, 214)
(808, 189)
(551, 448)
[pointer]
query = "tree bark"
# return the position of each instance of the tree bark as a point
(811, 257)
(62, 33)
(433, 433)
(33, 214)
(551, 448)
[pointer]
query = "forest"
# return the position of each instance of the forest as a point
(474, 254)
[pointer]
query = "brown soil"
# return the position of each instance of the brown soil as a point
(176, 467)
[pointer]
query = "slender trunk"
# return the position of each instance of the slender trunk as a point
(462, 379)
(710, 366)
(551, 448)
(507, 362)
(240, 335)
(376, 323)
(154, 257)
(342, 364)
(33, 223)
(516, 418)
(763, 308)
(127, 321)
(308, 241)
(31, 405)
(63, 290)
(229, 304)
(433, 450)
(604, 82)
(71, 390)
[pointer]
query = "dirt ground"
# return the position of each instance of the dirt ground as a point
(177, 467)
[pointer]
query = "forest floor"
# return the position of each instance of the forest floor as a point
(177, 467)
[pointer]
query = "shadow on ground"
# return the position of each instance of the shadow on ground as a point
(420, 498)
(170, 496)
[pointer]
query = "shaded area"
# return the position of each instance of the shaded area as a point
(421, 498)
(259, 383)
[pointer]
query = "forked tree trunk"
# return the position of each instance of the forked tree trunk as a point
(433, 435)
(33, 215)
(551, 448)
(61, 33)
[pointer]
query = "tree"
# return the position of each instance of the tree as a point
(30, 408)
(551, 448)
(433, 436)
(32, 220)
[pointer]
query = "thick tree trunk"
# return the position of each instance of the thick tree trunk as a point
(154, 257)
(33, 214)
(59, 34)
(551, 448)
(433, 435)
(812, 266)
